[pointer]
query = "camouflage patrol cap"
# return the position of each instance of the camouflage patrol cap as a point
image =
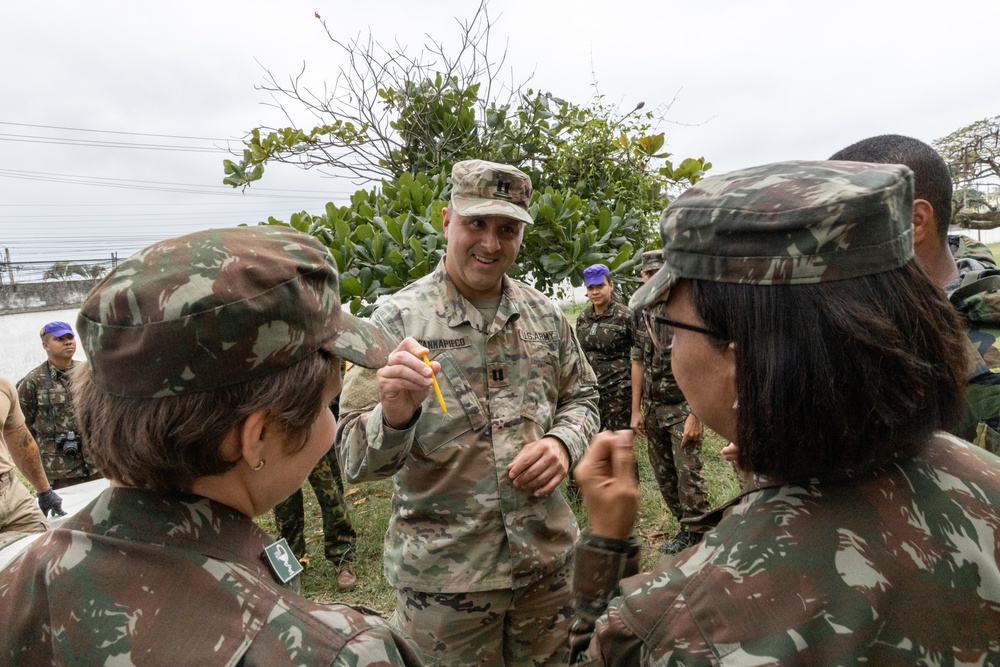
(787, 223)
(480, 188)
(219, 307)
(652, 260)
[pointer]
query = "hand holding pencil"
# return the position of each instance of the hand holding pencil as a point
(437, 387)
(405, 381)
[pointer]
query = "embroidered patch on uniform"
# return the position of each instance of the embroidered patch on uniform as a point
(444, 343)
(497, 375)
(283, 563)
(538, 336)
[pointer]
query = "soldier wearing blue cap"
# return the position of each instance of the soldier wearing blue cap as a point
(606, 329)
(46, 400)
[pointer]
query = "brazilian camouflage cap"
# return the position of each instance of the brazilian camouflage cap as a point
(787, 223)
(652, 260)
(480, 188)
(219, 307)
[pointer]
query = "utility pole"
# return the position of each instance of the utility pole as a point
(10, 269)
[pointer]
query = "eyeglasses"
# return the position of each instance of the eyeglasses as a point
(661, 329)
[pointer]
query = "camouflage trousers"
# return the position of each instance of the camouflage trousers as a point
(513, 627)
(616, 415)
(338, 533)
(677, 466)
(615, 404)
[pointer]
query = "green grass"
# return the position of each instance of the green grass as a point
(370, 505)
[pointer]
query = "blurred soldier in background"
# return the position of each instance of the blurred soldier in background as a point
(47, 403)
(673, 433)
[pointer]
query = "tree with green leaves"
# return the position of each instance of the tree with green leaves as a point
(601, 177)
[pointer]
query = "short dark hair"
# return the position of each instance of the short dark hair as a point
(842, 375)
(931, 176)
(165, 444)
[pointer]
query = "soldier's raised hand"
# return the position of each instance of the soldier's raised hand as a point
(606, 476)
(404, 382)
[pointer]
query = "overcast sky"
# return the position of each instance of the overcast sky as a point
(754, 82)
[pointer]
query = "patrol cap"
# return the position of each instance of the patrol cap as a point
(56, 329)
(480, 188)
(595, 274)
(219, 307)
(652, 260)
(787, 223)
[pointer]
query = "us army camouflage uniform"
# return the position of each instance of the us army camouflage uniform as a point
(606, 340)
(44, 394)
(204, 586)
(976, 296)
(338, 533)
(676, 464)
(868, 572)
(458, 524)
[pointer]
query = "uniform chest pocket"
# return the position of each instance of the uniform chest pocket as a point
(540, 396)
(56, 396)
(465, 413)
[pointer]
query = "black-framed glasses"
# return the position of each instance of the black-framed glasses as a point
(661, 329)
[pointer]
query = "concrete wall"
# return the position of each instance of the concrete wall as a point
(33, 297)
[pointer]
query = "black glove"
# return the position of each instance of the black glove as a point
(50, 501)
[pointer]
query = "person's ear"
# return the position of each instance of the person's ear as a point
(924, 222)
(251, 438)
(446, 222)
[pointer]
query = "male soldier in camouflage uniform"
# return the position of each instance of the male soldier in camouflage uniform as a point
(338, 533)
(889, 557)
(963, 268)
(47, 404)
(213, 358)
(479, 541)
(673, 433)
(606, 330)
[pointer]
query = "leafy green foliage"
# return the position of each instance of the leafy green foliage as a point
(601, 178)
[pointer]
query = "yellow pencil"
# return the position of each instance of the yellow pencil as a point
(437, 389)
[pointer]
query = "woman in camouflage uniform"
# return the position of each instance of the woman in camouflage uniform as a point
(213, 361)
(803, 331)
(606, 329)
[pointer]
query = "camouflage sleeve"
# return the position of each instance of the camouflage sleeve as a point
(577, 418)
(369, 449)
(599, 564)
(380, 646)
(27, 396)
(638, 333)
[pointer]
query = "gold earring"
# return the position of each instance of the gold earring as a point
(736, 404)
(258, 466)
